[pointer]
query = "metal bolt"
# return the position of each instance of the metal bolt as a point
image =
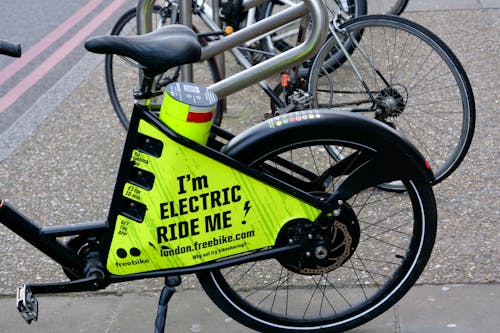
(336, 212)
(290, 241)
(308, 254)
(320, 252)
(340, 202)
(310, 236)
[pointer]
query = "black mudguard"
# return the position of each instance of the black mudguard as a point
(388, 157)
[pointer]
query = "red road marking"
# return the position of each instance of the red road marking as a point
(31, 79)
(48, 40)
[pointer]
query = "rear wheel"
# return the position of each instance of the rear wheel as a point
(381, 242)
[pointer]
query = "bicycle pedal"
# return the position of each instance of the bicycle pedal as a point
(27, 304)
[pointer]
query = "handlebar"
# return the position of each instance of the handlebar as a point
(10, 49)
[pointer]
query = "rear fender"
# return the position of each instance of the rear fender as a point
(388, 156)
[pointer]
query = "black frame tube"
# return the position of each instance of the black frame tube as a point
(35, 235)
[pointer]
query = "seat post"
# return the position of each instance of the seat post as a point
(145, 90)
(144, 14)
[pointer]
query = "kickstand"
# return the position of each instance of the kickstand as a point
(166, 293)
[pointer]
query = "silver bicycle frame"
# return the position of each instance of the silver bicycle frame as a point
(274, 65)
(144, 10)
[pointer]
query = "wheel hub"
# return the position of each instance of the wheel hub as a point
(326, 247)
(391, 102)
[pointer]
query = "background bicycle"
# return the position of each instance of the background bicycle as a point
(371, 65)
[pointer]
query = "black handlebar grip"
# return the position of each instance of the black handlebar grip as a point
(10, 49)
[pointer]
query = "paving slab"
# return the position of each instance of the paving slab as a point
(438, 308)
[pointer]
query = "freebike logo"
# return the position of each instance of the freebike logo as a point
(134, 252)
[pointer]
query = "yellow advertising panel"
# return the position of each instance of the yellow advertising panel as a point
(197, 210)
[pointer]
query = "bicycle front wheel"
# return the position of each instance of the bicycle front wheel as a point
(393, 243)
(405, 76)
(122, 77)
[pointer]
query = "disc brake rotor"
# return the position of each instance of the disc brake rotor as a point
(325, 248)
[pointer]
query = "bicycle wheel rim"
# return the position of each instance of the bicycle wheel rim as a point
(229, 289)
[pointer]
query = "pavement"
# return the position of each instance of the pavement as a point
(433, 309)
(74, 150)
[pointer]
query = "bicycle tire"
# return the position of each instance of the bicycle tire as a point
(381, 7)
(269, 296)
(130, 77)
(427, 94)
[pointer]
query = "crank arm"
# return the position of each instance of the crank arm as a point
(86, 284)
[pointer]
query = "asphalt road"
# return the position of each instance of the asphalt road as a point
(51, 33)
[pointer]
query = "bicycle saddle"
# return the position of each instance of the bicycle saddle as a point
(157, 51)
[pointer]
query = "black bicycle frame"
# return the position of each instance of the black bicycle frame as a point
(88, 273)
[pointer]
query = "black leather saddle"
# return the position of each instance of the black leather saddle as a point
(167, 47)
